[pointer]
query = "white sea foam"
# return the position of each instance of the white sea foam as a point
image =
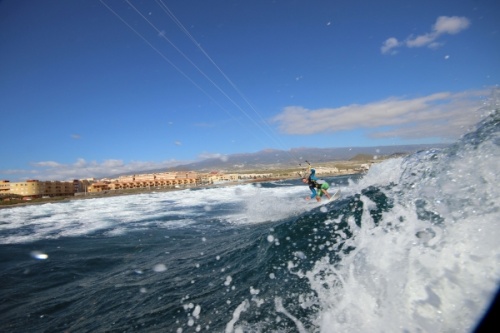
(416, 272)
(117, 215)
(412, 272)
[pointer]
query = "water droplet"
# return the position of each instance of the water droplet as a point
(160, 268)
(39, 255)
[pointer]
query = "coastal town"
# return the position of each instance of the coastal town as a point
(38, 190)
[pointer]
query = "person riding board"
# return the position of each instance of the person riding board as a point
(317, 186)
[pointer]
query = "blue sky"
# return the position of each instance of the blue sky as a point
(92, 88)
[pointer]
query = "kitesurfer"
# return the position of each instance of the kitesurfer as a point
(317, 186)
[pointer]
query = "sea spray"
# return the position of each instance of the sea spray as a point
(412, 245)
(431, 261)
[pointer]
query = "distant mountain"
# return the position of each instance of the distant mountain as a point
(271, 158)
(361, 157)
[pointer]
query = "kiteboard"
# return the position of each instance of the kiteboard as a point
(333, 197)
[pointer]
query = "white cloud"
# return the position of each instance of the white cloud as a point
(389, 45)
(450, 25)
(113, 164)
(444, 25)
(27, 174)
(49, 170)
(205, 156)
(444, 115)
(48, 164)
(420, 41)
(80, 163)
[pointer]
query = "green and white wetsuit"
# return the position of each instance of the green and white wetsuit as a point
(321, 185)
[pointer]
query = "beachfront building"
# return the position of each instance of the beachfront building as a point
(98, 187)
(29, 189)
(82, 185)
(58, 188)
(143, 182)
(162, 176)
(4, 186)
(217, 177)
(250, 176)
(34, 188)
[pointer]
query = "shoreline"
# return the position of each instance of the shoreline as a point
(115, 193)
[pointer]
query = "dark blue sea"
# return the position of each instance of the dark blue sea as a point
(411, 246)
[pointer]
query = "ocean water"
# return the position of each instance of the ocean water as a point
(411, 246)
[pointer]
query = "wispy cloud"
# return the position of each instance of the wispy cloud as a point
(450, 25)
(389, 45)
(222, 157)
(445, 115)
(46, 164)
(81, 169)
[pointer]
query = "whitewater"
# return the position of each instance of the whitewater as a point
(411, 246)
